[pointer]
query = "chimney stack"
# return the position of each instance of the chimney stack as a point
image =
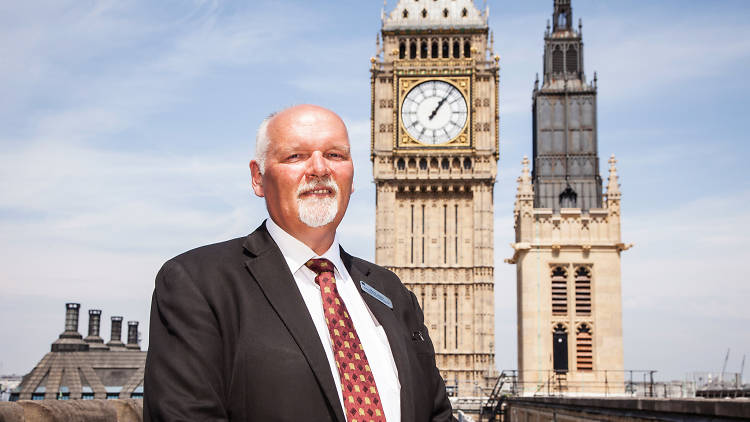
(94, 320)
(133, 336)
(70, 340)
(71, 317)
(93, 339)
(115, 341)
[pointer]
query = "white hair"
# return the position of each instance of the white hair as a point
(261, 142)
(317, 212)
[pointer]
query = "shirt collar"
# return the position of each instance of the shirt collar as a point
(297, 253)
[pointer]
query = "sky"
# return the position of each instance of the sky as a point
(126, 129)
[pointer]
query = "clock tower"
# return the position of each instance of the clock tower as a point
(434, 151)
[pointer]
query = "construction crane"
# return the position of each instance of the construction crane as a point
(742, 368)
(724, 368)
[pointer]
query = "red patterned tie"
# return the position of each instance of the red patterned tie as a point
(361, 398)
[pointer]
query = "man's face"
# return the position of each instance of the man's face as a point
(308, 170)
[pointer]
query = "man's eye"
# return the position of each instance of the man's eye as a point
(293, 156)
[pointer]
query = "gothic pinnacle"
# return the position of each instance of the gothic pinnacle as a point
(613, 185)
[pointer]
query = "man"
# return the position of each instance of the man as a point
(283, 324)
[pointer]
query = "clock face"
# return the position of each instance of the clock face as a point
(434, 112)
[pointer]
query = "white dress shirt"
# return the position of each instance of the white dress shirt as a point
(370, 332)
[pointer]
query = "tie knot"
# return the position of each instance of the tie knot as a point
(320, 265)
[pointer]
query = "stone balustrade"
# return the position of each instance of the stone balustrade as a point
(124, 410)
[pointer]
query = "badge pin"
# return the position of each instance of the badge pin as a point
(376, 294)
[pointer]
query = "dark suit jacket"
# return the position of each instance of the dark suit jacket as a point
(231, 339)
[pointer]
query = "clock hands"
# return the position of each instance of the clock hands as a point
(439, 104)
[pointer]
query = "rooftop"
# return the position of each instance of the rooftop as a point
(432, 14)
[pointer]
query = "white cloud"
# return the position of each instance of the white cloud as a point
(104, 73)
(693, 251)
(110, 203)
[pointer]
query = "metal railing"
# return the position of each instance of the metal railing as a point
(601, 383)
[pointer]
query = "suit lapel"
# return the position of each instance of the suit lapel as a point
(393, 329)
(270, 271)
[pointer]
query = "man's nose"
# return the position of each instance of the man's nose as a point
(318, 165)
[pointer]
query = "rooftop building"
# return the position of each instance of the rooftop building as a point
(86, 368)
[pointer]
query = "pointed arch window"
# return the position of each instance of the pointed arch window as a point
(413, 50)
(584, 348)
(568, 198)
(402, 50)
(423, 49)
(446, 49)
(456, 49)
(434, 51)
(445, 13)
(571, 60)
(559, 291)
(467, 49)
(405, 14)
(583, 291)
(424, 13)
(464, 12)
(557, 60)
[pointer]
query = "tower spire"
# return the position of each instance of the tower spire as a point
(562, 18)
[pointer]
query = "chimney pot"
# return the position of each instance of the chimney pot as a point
(93, 339)
(116, 337)
(94, 322)
(71, 316)
(133, 335)
(70, 340)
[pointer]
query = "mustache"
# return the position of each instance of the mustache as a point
(318, 183)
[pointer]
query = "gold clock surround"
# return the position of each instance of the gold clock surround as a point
(403, 140)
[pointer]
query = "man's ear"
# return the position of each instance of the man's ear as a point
(256, 178)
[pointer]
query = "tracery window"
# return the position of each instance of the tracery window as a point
(584, 348)
(559, 291)
(557, 60)
(571, 60)
(583, 291)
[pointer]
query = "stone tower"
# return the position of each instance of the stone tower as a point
(567, 246)
(434, 152)
(566, 169)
